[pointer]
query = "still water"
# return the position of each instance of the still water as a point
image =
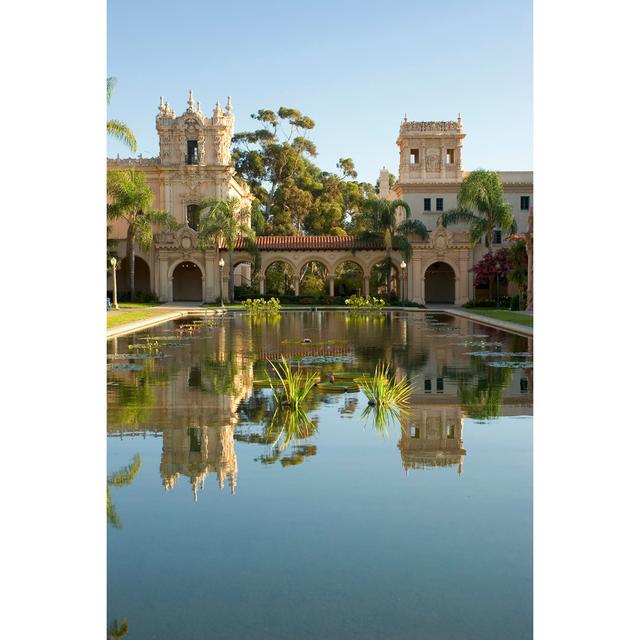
(422, 529)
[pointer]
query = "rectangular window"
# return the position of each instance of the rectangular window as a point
(195, 440)
(414, 432)
(497, 236)
(192, 152)
(439, 385)
(427, 386)
(414, 157)
(450, 156)
(439, 204)
(451, 432)
(524, 385)
(427, 204)
(524, 203)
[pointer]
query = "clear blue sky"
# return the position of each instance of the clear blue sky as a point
(355, 67)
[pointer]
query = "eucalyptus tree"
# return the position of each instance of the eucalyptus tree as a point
(130, 199)
(272, 154)
(223, 221)
(378, 221)
(482, 206)
(116, 128)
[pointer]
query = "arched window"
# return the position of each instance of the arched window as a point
(193, 216)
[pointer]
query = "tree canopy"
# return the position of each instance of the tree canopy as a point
(293, 196)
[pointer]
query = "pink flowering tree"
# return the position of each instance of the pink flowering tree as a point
(491, 268)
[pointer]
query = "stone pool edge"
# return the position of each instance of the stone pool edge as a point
(131, 327)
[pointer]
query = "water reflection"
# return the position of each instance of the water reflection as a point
(432, 437)
(195, 452)
(196, 389)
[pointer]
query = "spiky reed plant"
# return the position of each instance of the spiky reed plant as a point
(294, 386)
(289, 424)
(385, 391)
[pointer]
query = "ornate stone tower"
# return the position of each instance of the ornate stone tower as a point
(430, 151)
(192, 138)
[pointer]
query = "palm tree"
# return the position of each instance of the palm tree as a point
(482, 190)
(131, 199)
(221, 222)
(379, 222)
(116, 128)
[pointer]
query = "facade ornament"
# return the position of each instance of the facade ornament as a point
(190, 101)
(217, 112)
(229, 107)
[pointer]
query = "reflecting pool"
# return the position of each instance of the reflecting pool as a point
(419, 528)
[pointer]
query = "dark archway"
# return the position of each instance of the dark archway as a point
(440, 283)
(187, 282)
(142, 282)
(279, 278)
(349, 279)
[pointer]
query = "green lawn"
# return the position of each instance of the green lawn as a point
(503, 314)
(116, 318)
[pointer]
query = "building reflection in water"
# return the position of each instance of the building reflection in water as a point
(196, 452)
(201, 396)
(431, 436)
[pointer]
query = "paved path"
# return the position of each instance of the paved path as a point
(513, 327)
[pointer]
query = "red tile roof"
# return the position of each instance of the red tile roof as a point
(309, 243)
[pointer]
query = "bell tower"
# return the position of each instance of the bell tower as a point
(192, 138)
(430, 151)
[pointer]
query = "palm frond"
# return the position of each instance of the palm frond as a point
(460, 214)
(414, 226)
(120, 131)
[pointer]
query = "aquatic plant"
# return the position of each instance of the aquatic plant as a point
(385, 391)
(262, 306)
(293, 387)
(364, 303)
(289, 424)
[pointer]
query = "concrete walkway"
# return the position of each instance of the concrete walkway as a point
(513, 327)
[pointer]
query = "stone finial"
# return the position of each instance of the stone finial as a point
(459, 121)
(405, 117)
(190, 100)
(229, 107)
(217, 112)
(198, 103)
(161, 103)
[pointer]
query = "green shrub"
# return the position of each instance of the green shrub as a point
(364, 303)
(260, 305)
(515, 303)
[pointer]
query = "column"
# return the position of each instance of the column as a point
(331, 285)
(296, 285)
(209, 276)
(365, 283)
(463, 267)
(163, 284)
(416, 293)
(261, 281)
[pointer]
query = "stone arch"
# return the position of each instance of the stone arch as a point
(271, 259)
(377, 284)
(142, 283)
(346, 286)
(314, 284)
(314, 258)
(285, 285)
(186, 279)
(440, 282)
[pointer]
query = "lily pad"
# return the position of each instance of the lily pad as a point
(510, 364)
(337, 387)
(124, 367)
